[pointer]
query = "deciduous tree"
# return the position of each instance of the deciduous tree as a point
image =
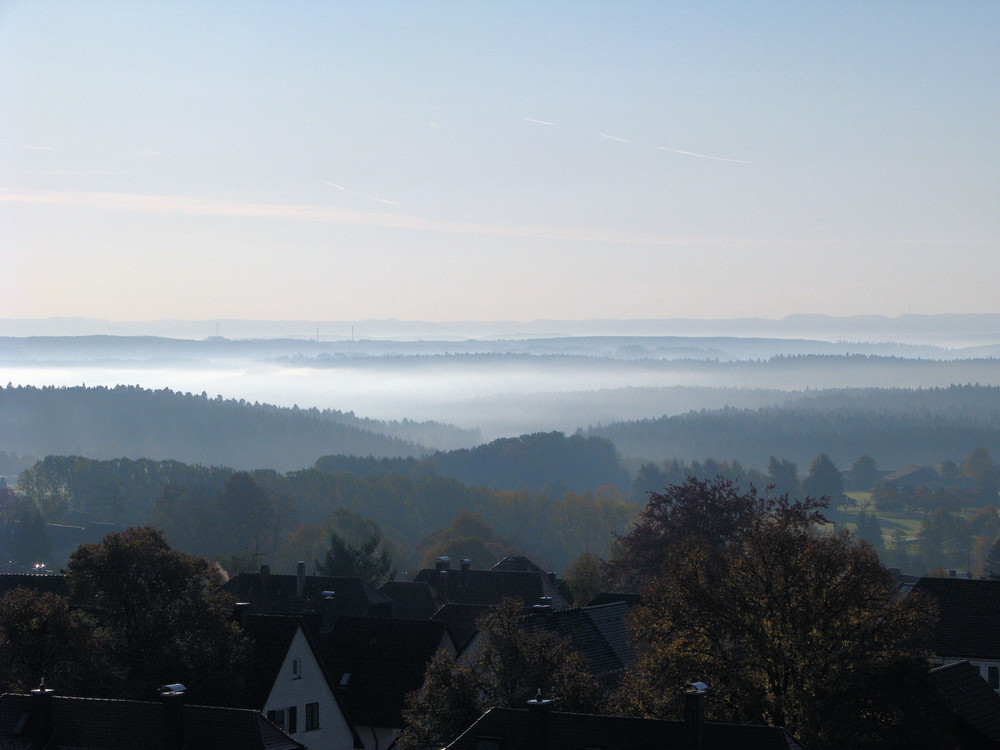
(41, 638)
(716, 512)
(510, 665)
(791, 627)
(163, 613)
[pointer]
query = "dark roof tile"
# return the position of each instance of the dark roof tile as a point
(410, 600)
(490, 587)
(514, 729)
(374, 662)
(973, 702)
(968, 625)
(139, 725)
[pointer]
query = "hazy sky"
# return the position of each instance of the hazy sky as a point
(498, 160)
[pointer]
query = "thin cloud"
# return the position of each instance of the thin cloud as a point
(27, 146)
(182, 206)
(701, 156)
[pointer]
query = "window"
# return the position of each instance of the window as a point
(293, 715)
(994, 677)
(296, 669)
(312, 716)
(277, 717)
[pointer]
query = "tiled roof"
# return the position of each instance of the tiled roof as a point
(973, 702)
(609, 619)
(139, 725)
(277, 594)
(410, 600)
(462, 621)
(489, 587)
(519, 564)
(511, 729)
(968, 624)
(374, 662)
(608, 597)
(579, 629)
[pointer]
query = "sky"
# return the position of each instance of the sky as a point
(507, 160)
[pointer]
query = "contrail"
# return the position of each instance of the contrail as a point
(340, 187)
(703, 156)
(537, 122)
(360, 195)
(614, 138)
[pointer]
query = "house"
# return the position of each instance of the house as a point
(598, 633)
(410, 600)
(372, 664)
(539, 728)
(975, 708)
(968, 626)
(462, 621)
(489, 587)
(287, 684)
(913, 477)
(266, 592)
(44, 720)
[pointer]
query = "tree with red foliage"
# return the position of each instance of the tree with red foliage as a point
(716, 512)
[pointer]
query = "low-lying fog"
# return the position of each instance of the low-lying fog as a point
(503, 394)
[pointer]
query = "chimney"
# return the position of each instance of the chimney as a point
(694, 713)
(443, 563)
(240, 612)
(173, 715)
(40, 718)
(265, 578)
(328, 610)
(300, 580)
(539, 714)
(466, 567)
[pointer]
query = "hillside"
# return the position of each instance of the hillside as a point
(897, 427)
(127, 421)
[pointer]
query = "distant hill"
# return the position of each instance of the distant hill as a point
(127, 421)
(541, 462)
(897, 427)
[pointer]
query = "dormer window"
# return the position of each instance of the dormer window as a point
(296, 669)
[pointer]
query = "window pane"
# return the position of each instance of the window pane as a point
(312, 716)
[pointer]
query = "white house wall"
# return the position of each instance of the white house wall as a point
(308, 687)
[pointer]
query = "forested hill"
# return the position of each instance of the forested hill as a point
(133, 422)
(897, 427)
(541, 462)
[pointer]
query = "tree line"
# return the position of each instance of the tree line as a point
(897, 427)
(240, 517)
